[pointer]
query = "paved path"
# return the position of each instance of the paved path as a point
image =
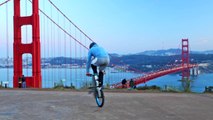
(52, 105)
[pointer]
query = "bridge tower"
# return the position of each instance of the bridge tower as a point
(185, 63)
(185, 58)
(33, 48)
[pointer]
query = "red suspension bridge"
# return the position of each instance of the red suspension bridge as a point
(53, 34)
(184, 67)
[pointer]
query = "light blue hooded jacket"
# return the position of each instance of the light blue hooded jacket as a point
(96, 52)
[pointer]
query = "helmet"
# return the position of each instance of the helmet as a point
(91, 45)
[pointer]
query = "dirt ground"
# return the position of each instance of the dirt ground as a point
(70, 105)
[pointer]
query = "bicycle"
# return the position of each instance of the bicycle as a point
(98, 92)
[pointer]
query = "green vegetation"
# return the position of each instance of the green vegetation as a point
(60, 86)
(171, 89)
(186, 85)
(154, 87)
(166, 89)
(208, 89)
(86, 84)
(107, 86)
(1, 84)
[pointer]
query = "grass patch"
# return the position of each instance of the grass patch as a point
(153, 87)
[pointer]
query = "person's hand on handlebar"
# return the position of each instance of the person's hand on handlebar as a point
(88, 74)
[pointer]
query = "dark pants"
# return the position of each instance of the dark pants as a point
(19, 85)
(100, 75)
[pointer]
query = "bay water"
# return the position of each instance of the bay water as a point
(76, 77)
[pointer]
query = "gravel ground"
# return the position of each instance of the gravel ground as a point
(70, 105)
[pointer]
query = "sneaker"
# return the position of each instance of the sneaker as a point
(97, 83)
(98, 88)
(96, 77)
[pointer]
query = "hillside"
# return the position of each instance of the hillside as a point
(154, 61)
(147, 63)
(170, 52)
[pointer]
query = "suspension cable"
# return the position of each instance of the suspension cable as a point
(75, 27)
(84, 56)
(71, 84)
(70, 20)
(48, 37)
(46, 81)
(52, 52)
(7, 35)
(59, 50)
(4, 2)
(80, 56)
(62, 29)
(75, 61)
(44, 40)
(65, 55)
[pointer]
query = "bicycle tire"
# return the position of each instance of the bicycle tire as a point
(99, 100)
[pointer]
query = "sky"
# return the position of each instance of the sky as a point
(133, 26)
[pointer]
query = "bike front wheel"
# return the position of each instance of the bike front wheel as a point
(99, 98)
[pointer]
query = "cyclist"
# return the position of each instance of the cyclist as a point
(97, 58)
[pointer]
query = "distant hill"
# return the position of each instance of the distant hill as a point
(203, 52)
(154, 60)
(145, 61)
(114, 55)
(209, 52)
(168, 52)
(171, 52)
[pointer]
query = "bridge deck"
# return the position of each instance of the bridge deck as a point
(156, 74)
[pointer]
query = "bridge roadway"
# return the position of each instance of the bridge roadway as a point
(72, 105)
(156, 74)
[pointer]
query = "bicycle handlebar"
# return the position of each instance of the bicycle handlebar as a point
(90, 75)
